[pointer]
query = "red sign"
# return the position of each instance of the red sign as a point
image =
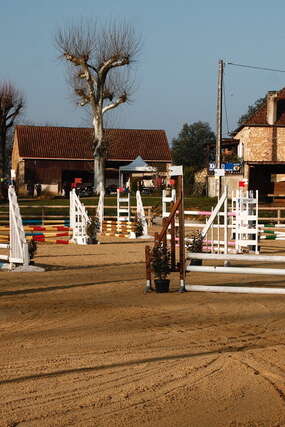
(243, 183)
(77, 180)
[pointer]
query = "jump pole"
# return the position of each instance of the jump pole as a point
(172, 244)
(148, 287)
(180, 191)
(236, 290)
(237, 270)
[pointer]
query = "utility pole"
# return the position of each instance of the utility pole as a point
(219, 128)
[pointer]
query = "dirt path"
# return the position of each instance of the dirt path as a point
(82, 345)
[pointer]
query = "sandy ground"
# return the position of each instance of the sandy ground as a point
(82, 345)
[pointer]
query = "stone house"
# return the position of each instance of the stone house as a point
(53, 156)
(261, 144)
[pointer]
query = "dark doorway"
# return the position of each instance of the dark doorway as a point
(268, 180)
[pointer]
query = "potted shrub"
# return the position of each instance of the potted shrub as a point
(32, 249)
(92, 229)
(161, 267)
(195, 246)
(139, 227)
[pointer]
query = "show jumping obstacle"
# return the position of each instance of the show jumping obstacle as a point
(236, 270)
(70, 229)
(15, 241)
(241, 222)
(124, 225)
(247, 225)
(79, 219)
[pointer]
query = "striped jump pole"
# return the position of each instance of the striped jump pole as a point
(45, 222)
(48, 235)
(41, 239)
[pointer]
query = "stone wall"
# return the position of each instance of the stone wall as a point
(262, 143)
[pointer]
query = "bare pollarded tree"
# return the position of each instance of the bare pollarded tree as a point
(11, 105)
(97, 55)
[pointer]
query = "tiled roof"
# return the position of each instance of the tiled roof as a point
(76, 143)
(260, 116)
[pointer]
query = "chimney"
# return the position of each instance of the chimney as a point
(271, 107)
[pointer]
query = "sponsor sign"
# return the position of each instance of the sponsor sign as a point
(219, 172)
(176, 170)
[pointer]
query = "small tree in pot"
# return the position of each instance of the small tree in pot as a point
(139, 228)
(195, 246)
(92, 229)
(32, 249)
(161, 267)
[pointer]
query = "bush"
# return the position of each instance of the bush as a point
(196, 245)
(92, 230)
(32, 248)
(160, 262)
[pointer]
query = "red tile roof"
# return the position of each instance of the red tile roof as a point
(260, 116)
(76, 143)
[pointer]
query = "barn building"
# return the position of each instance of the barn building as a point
(53, 156)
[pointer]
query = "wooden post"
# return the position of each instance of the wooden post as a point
(172, 245)
(164, 240)
(156, 238)
(219, 122)
(181, 233)
(148, 286)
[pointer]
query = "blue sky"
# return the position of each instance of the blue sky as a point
(176, 75)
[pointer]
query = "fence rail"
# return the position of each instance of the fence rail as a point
(45, 208)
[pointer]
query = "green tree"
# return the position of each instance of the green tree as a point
(188, 149)
(251, 110)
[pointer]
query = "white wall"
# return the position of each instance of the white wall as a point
(230, 180)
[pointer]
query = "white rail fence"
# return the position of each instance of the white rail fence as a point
(236, 270)
(79, 219)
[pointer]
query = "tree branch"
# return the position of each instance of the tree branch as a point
(112, 63)
(115, 104)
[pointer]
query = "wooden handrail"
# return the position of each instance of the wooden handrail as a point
(167, 222)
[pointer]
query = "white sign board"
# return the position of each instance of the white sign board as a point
(176, 170)
(219, 172)
(13, 174)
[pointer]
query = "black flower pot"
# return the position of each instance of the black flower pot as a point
(196, 262)
(162, 285)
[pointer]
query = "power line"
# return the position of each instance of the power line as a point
(256, 67)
